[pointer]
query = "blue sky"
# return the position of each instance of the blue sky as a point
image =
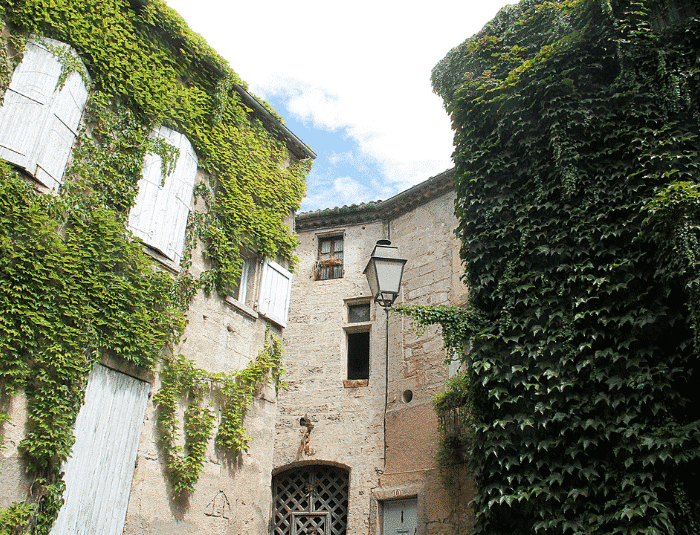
(352, 80)
(336, 168)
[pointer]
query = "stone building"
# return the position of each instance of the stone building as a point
(356, 430)
(115, 477)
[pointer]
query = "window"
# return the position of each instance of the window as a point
(244, 290)
(275, 292)
(159, 216)
(330, 258)
(358, 355)
(101, 466)
(39, 119)
(358, 313)
(240, 290)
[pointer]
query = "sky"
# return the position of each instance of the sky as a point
(351, 80)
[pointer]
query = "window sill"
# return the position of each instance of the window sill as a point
(161, 259)
(240, 307)
(355, 383)
(359, 327)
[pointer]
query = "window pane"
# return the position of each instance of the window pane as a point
(243, 282)
(338, 245)
(337, 272)
(325, 246)
(357, 313)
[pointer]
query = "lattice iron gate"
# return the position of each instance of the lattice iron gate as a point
(312, 500)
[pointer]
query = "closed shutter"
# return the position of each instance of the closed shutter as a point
(275, 292)
(38, 121)
(159, 216)
(99, 472)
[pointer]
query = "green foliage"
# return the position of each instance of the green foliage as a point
(16, 517)
(458, 325)
(576, 134)
(181, 380)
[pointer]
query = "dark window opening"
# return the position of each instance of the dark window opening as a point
(358, 355)
(358, 313)
(330, 258)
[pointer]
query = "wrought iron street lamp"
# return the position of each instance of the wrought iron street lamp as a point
(384, 272)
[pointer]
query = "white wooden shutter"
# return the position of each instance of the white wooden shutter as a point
(159, 216)
(39, 121)
(99, 472)
(275, 292)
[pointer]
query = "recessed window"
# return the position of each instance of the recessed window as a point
(330, 258)
(244, 289)
(358, 355)
(358, 313)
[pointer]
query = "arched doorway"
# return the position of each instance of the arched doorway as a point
(310, 500)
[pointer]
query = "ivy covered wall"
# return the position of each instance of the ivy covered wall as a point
(75, 287)
(578, 179)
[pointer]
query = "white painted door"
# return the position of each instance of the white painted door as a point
(99, 472)
(400, 517)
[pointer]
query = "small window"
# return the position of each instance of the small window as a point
(330, 258)
(358, 313)
(358, 355)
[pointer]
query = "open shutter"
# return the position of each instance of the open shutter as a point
(159, 216)
(38, 122)
(99, 472)
(275, 292)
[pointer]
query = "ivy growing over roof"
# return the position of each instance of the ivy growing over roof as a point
(576, 133)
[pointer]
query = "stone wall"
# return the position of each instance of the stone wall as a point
(348, 420)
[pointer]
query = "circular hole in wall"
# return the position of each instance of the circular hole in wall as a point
(407, 396)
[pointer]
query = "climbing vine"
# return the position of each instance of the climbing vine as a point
(181, 379)
(75, 286)
(576, 135)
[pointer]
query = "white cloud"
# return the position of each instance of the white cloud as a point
(342, 158)
(362, 69)
(339, 191)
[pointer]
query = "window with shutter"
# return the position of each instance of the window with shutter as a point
(275, 292)
(99, 472)
(159, 216)
(38, 119)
